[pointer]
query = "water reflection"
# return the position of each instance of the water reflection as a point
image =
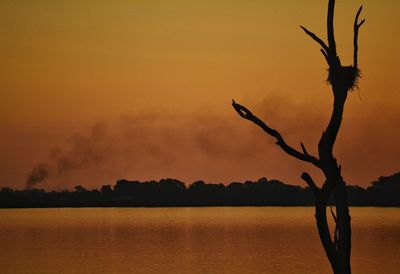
(188, 240)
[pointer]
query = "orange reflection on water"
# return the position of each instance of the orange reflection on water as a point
(188, 240)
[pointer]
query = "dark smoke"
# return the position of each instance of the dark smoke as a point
(203, 145)
(38, 174)
(207, 146)
(151, 141)
(85, 150)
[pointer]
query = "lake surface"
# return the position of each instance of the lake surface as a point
(220, 240)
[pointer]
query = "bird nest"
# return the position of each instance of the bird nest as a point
(346, 77)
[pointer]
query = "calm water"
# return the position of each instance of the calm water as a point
(188, 240)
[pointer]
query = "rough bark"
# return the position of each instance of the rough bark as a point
(342, 79)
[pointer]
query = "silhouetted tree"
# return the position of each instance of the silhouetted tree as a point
(385, 190)
(169, 192)
(106, 190)
(342, 79)
(80, 188)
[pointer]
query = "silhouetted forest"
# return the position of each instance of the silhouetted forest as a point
(170, 192)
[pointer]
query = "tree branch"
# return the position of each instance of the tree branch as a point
(324, 233)
(310, 182)
(304, 149)
(248, 115)
(331, 35)
(316, 39)
(356, 29)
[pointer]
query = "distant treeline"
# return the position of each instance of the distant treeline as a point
(170, 192)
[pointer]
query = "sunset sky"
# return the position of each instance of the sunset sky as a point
(100, 90)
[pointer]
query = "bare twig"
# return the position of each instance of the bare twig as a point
(356, 29)
(248, 115)
(324, 49)
(304, 149)
(316, 39)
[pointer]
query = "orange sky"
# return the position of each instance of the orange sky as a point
(142, 89)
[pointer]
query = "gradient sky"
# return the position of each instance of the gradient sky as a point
(101, 90)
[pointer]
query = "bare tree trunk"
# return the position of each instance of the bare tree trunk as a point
(343, 227)
(342, 79)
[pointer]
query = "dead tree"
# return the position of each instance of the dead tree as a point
(337, 245)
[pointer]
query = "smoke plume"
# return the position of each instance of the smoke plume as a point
(38, 174)
(84, 150)
(208, 146)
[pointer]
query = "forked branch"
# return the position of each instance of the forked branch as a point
(329, 51)
(248, 115)
(324, 49)
(357, 26)
(316, 38)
